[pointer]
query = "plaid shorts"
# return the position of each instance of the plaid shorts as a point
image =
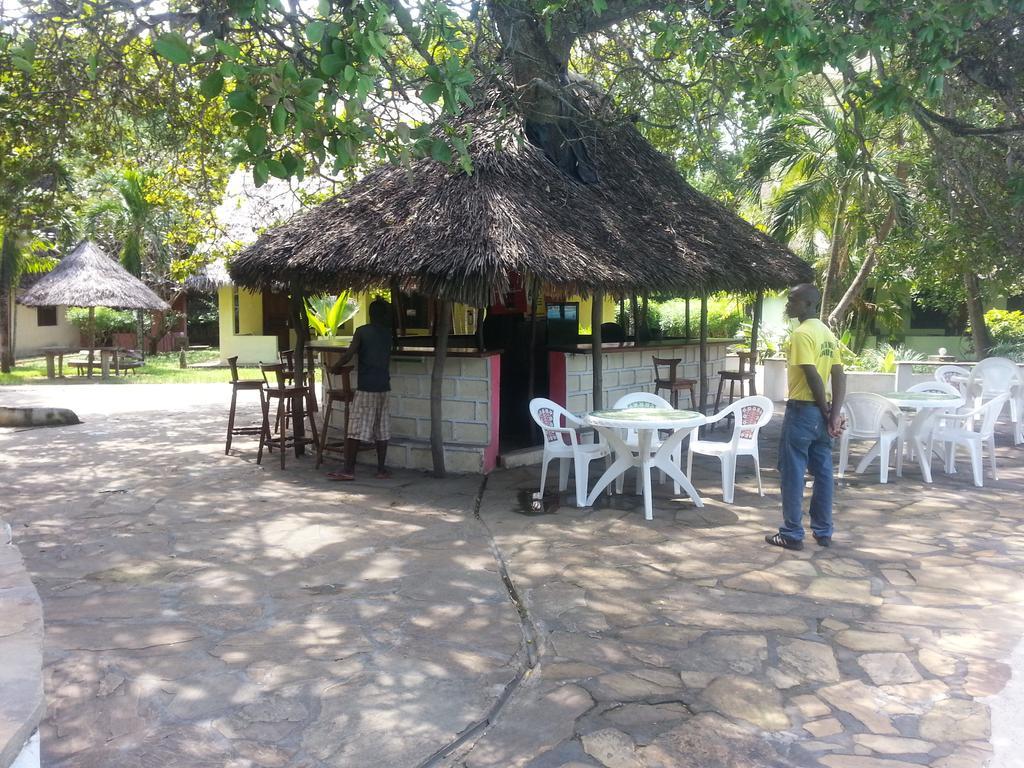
(368, 417)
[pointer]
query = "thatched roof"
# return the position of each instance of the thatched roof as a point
(461, 236)
(88, 277)
(210, 278)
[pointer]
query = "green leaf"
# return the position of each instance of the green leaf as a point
(212, 85)
(276, 168)
(600, 6)
(315, 31)
(23, 64)
(279, 119)
(241, 119)
(324, 7)
(350, 73)
(256, 139)
(440, 151)
(260, 173)
(310, 86)
(230, 50)
(172, 46)
(432, 93)
(331, 64)
(243, 102)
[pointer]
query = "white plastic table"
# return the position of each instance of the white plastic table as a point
(926, 406)
(647, 422)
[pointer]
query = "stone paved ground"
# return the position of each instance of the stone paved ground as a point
(202, 611)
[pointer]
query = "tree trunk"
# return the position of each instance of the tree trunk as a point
(976, 313)
(7, 257)
(301, 323)
(857, 286)
(596, 312)
(832, 273)
(441, 329)
(702, 406)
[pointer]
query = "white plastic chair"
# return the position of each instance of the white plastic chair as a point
(562, 442)
(995, 376)
(643, 400)
(749, 415)
(974, 430)
(871, 417)
(933, 388)
(954, 375)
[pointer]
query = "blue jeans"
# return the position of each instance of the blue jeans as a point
(805, 445)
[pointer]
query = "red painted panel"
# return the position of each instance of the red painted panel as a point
(556, 377)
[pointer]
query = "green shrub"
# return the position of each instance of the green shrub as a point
(107, 322)
(1006, 327)
(883, 359)
(723, 318)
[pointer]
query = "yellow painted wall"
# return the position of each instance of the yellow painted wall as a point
(250, 345)
(29, 336)
(586, 307)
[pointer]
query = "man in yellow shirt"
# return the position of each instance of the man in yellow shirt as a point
(810, 423)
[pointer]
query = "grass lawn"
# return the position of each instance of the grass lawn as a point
(158, 369)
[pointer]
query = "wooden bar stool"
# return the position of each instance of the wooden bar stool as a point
(335, 394)
(288, 358)
(285, 394)
(745, 375)
(241, 385)
(669, 382)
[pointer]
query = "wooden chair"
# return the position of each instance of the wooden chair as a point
(287, 357)
(241, 385)
(745, 375)
(285, 394)
(335, 394)
(670, 382)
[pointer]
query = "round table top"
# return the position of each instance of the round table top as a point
(924, 399)
(645, 418)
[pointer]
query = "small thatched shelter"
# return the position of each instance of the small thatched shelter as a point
(211, 278)
(88, 277)
(629, 224)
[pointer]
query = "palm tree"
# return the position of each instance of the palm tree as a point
(136, 222)
(833, 171)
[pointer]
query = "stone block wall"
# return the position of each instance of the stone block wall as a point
(631, 370)
(470, 426)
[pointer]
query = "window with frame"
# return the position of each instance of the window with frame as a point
(46, 316)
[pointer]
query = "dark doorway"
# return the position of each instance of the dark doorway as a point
(511, 333)
(275, 318)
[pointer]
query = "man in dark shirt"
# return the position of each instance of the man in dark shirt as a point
(369, 420)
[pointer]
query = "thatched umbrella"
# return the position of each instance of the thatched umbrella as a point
(88, 277)
(461, 237)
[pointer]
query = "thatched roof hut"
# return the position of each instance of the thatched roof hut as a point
(210, 278)
(460, 236)
(88, 277)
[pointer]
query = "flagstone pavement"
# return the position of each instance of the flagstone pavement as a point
(204, 611)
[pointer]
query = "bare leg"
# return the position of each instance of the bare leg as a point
(349, 468)
(382, 454)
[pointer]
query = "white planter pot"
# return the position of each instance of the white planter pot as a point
(869, 381)
(774, 381)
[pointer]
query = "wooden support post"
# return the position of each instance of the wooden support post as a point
(441, 329)
(688, 336)
(532, 362)
(480, 328)
(92, 339)
(634, 307)
(301, 325)
(755, 325)
(703, 353)
(596, 318)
